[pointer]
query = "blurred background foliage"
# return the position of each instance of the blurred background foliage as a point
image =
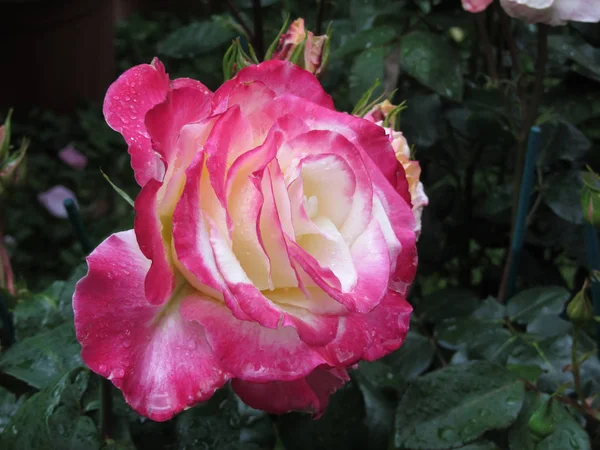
(474, 373)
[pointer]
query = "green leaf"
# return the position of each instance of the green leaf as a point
(380, 375)
(561, 141)
(368, 66)
(421, 122)
(446, 303)
(433, 62)
(561, 192)
(457, 404)
(225, 423)
(549, 325)
(527, 305)
(40, 359)
(568, 434)
(412, 358)
(342, 426)
(196, 38)
(119, 191)
(380, 411)
(483, 445)
(490, 309)
(46, 310)
(530, 373)
(364, 40)
(577, 50)
(53, 418)
(8, 407)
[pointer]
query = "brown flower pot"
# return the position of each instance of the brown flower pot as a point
(55, 52)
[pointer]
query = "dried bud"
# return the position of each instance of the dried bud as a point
(302, 48)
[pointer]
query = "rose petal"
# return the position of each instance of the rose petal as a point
(281, 77)
(125, 106)
(161, 362)
(72, 157)
(309, 394)
(53, 200)
(249, 350)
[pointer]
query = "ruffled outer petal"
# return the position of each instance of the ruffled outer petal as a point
(309, 394)
(249, 351)
(281, 77)
(125, 106)
(160, 361)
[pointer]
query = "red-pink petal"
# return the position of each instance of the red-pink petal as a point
(125, 106)
(248, 350)
(160, 361)
(309, 394)
(281, 77)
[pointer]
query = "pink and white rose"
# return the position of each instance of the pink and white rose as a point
(273, 246)
(553, 12)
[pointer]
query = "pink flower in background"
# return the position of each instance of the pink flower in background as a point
(475, 6)
(412, 169)
(553, 12)
(273, 244)
(312, 53)
(73, 158)
(53, 199)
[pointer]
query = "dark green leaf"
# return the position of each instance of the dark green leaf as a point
(196, 38)
(368, 66)
(484, 445)
(433, 62)
(530, 373)
(528, 305)
(455, 405)
(421, 120)
(568, 434)
(561, 141)
(52, 419)
(380, 410)
(561, 192)
(40, 359)
(364, 40)
(8, 407)
(575, 49)
(490, 309)
(446, 303)
(549, 325)
(342, 426)
(380, 375)
(412, 358)
(224, 423)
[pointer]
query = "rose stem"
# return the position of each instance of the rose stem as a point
(509, 277)
(106, 407)
(593, 257)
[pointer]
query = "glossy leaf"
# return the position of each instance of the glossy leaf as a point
(433, 62)
(455, 405)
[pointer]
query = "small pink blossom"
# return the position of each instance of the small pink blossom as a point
(475, 6)
(73, 157)
(53, 200)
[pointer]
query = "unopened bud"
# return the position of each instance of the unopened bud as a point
(542, 423)
(580, 309)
